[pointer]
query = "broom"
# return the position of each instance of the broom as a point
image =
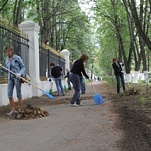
(43, 91)
(97, 97)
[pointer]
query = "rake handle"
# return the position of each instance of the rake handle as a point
(21, 77)
(93, 87)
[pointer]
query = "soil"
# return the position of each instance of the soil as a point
(130, 112)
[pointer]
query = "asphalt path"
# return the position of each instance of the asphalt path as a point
(86, 128)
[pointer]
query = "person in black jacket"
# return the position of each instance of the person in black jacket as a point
(57, 75)
(118, 72)
(76, 74)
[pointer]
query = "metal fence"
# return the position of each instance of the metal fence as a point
(46, 56)
(9, 35)
(14, 37)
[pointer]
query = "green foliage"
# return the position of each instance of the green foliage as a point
(59, 21)
(110, 79)
(110, 15)
(6, 12)
(63, 25)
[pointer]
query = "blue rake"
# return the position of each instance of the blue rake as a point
(49, 95)
(97, 97)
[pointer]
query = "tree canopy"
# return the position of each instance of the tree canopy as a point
(103, 29)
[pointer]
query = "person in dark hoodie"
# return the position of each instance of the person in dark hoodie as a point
(56, 72)
(118, 72)
(76, 74)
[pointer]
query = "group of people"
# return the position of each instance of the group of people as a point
(75, 76)
(15, 68)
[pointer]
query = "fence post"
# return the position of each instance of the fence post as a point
(66, 54)
(32, 29)
(48, 74)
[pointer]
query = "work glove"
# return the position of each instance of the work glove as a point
(18, 75)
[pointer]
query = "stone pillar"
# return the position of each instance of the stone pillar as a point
(32, 29)
(66, 54)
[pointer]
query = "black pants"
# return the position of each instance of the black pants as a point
(118, 77)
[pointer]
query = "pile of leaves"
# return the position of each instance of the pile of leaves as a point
(132, 91)
(30, 112)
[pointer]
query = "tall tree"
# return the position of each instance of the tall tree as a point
(18, 12)
(140, 30)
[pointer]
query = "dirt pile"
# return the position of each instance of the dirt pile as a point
(30, 112)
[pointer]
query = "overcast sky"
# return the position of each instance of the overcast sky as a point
(86, 6)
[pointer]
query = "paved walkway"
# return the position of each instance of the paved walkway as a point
(85, 128)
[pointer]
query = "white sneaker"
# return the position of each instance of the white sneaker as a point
(10, 113)
(81, 104)
(74, 105)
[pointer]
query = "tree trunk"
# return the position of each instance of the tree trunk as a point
(138, 25)
(17, 15)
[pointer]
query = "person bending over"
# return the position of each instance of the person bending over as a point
(75, 77)
(56, 72)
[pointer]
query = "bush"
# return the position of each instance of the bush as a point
(109, 79)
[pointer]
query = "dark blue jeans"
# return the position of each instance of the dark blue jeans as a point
(118, 77)
(11, 83)
(59, 85)
(75, 79)
(82, 85)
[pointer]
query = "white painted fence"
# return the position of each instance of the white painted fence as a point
(136, 76)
